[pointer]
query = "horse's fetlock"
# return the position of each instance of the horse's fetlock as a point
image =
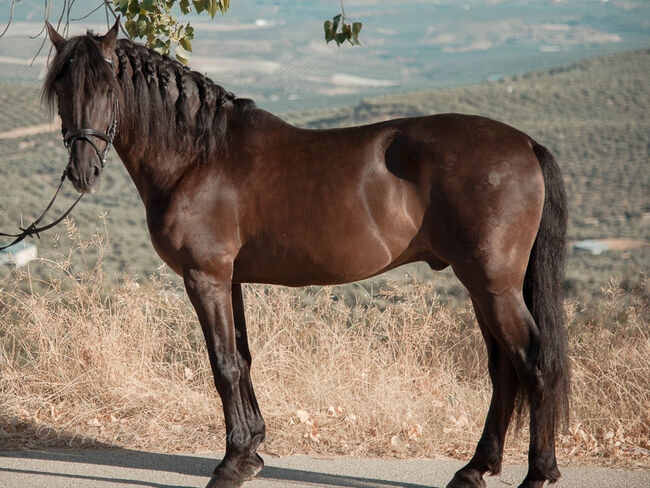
(258, 429)
(488, 457)
(542, 465)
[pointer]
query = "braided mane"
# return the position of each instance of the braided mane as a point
(160, 98)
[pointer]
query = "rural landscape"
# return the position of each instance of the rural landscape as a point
(100, 347)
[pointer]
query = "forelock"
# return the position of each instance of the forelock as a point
(81, 60)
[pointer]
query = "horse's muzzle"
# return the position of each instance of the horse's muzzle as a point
(86, 179)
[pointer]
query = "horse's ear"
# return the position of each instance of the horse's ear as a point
(108, 41)
(55, 37)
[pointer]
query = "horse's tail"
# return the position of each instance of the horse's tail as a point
(544, 291)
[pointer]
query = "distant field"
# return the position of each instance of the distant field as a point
(594, 115)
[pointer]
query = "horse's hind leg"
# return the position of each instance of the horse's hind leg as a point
(489, 451)
(516, 330)
(511, 325)
(223, 326)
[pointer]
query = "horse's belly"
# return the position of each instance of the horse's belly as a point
(350, 258)
(334, 229)
(336, 252)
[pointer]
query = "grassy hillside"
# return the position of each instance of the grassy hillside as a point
(593, 115)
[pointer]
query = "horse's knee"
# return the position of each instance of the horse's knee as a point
(226, 375)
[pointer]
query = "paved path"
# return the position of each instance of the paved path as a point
(123, 468)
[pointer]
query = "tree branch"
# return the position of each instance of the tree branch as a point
(11, 16)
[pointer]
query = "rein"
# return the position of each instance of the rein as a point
(69, 138)
(32, 229)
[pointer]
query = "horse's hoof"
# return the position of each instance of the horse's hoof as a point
(252, 466)
(232, 472)
(532, 484)
(218, 482)
(538, 477)
(466, 478)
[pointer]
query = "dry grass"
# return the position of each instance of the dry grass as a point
(93, 362)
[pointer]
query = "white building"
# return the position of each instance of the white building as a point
(19, 254)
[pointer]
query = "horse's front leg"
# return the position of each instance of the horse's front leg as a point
(225, 336)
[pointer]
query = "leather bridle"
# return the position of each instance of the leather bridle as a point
(69, 138)
(74, 135)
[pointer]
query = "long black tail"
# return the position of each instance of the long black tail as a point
(544, 290)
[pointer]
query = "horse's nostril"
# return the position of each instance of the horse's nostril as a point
(96, 172)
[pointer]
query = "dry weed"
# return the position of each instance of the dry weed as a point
(91, 362)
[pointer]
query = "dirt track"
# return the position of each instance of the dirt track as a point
(30, 130)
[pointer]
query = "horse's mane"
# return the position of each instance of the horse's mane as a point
(148, 99)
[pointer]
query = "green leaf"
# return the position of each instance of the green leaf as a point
(182, 55)
(356, 28)
(198, 5)
(212, 8)
(189, 32)
(147, 5)
(225, 4)
(185, 6)
(329, 31)
(337, 20)
(141, 26)
(122, 6)
(185, 43)
(134, 7)
(150, 28)
(130, 27)
(159, 46)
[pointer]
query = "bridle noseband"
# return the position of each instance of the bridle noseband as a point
(72, 136)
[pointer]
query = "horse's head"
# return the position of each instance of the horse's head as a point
(82, 80)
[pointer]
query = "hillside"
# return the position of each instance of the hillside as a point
(593, 115)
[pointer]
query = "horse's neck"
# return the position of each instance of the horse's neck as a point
(154, 170)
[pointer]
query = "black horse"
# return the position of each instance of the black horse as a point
(235, 195)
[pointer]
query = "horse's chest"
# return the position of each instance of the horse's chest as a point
(164, 248)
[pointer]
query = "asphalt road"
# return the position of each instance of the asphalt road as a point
(123, 468)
